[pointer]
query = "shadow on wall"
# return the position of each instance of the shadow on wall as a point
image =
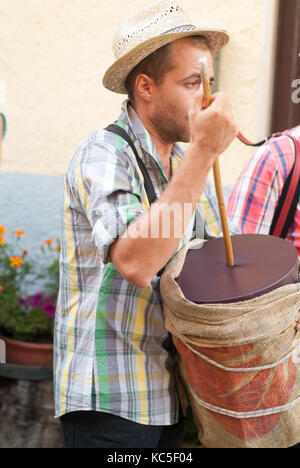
(31, 203)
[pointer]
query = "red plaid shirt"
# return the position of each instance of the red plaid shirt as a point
(254, 199)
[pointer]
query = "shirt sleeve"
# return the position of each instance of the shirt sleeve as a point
(2, 116)
(109, 192)
(253, 201)
(207, 218)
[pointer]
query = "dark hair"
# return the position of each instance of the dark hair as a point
(156, 65)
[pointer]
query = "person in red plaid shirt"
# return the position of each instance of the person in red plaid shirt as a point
(254, 198)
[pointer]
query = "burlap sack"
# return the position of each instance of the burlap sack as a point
(240, 362)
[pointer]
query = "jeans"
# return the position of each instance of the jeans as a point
(90, 429)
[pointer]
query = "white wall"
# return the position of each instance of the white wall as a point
(53, 55)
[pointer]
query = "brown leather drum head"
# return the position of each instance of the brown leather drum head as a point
(262, 264)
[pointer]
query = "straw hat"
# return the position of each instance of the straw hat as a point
(149, 30)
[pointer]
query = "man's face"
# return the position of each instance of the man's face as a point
(172, 99)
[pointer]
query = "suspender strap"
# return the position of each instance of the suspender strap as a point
(285, 212)
(117, 130)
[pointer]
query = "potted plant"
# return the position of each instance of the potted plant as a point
(26, 320)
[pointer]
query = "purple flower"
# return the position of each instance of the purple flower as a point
(35, 300)
(49, 309)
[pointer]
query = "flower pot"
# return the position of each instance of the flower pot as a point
(28, 354)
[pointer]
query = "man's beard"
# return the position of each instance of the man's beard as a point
(170, 129)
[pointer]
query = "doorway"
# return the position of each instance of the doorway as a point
(286, 105)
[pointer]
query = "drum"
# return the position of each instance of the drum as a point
(234, 329)
(262, 264)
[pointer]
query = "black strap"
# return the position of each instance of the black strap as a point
(117, 130)
(248, 143)
(291, 214)
(260, 143)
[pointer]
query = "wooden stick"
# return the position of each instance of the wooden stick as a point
(217, 171)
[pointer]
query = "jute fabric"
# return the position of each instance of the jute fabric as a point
(240, 363)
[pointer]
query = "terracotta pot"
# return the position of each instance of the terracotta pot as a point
(28, 354)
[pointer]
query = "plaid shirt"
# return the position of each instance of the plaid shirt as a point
(110, 339)
(2, 115)
(254, 199)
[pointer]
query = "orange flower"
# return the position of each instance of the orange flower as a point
(49, 241)
(42, 246)
(2, 230)
(1, 289)
(19, 233)
(16, 262)
(2, 240)
(57, 248)
(25, 252)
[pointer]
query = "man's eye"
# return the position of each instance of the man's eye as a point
(192, 84)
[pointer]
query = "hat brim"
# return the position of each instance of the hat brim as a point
(115, 77)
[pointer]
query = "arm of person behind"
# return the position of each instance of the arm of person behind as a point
(252, 203)
(137, 254)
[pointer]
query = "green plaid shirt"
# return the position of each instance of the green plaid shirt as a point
(110, 340)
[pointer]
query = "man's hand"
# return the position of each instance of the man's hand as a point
(139, 258)
(212, 129)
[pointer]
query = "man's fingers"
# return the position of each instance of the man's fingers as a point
(199, 99)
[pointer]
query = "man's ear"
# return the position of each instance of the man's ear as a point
(144, 87)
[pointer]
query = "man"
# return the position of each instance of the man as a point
(254, 198)
(114, 369)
